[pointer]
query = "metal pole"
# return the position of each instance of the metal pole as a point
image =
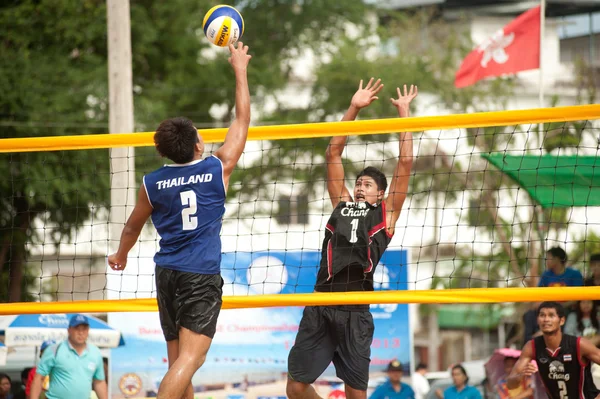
(592, 51)
(592, 56)
(120, 90)
(542, 34)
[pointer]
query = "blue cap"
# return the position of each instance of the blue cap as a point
(78, 320)
(46, 344)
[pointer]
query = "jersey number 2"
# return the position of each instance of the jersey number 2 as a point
(563, 390)
(353, 236)
(188, 200)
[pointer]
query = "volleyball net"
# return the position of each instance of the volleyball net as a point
(490, 193)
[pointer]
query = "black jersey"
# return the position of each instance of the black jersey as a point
(563, 374)
(356, 237)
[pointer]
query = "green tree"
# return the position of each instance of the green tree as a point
(53, 82)
(52, 61)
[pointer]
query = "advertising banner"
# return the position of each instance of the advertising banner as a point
(248, 356)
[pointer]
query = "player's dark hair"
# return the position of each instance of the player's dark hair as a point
(462, 370)
(376, 175)
(593, 316)
(560, 310)
(558, 252)
(595, 258)
(175, 139)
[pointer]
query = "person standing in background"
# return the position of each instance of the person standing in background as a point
(419, 383)
(74, 366)
(5, 386)
(393, 388)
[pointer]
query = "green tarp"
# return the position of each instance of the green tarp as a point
(554, 181)
(472, 316)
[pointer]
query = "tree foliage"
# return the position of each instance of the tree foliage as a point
(53, 81)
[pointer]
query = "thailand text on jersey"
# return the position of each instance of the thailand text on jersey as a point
(188, 202)
(356, 236)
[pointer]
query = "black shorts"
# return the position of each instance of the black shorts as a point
(189, 300)
(337, 334)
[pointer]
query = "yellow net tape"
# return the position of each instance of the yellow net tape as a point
(313, 130)
(465, 295)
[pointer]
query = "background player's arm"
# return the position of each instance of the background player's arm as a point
(399, 185)
(235, 140)
(335, 169)
(589, 351)
(132, 230)
(522, 368)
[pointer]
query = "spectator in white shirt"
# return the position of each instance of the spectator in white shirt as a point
(419, 382)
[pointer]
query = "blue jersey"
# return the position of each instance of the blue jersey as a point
(188, 202)
(569, 278)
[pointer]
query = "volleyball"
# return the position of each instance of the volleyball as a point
(223, 25)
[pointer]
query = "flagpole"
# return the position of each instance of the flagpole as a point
(542, 33)
(541, 221)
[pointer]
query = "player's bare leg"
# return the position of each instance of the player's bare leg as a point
(300, 390)
(193, 348)
(352, 393)
(172, 355)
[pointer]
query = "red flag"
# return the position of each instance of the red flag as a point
(514, 48)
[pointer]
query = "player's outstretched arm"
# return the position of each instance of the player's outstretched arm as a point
(399, 185)
(131, 231)
(235, 140)
(523, 367)
(335, 169)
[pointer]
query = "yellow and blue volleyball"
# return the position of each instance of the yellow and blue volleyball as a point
(223, 25)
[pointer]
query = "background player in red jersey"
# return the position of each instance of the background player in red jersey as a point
(563, 360)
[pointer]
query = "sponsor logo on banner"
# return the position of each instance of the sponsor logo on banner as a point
(54, 320)
(28, 337)
(130, 384)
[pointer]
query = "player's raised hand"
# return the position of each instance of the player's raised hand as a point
(403, 100)
(364, 97)
(239, 56)
(117, 264)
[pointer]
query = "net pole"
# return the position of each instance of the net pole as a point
(541, 221)
(542, 34)
(122, 166)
